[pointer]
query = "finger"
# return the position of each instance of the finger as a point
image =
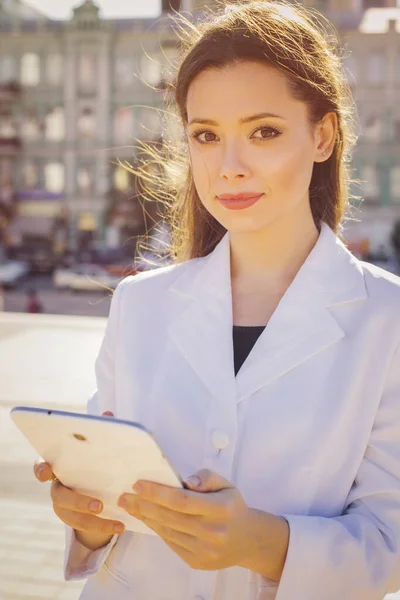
(43, 471)
(144, 510)
(70, 500)
(189, 556)
(89, 523)
(208, 481)
(181, 541)
(180, 500)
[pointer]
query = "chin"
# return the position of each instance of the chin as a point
(244, 223)
(248, 220)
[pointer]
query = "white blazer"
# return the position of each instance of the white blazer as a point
(312, 420)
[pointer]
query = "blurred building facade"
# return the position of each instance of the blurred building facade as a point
(75, 94)
(374, 73)
(370, 32)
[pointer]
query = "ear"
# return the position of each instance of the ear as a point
(325, 137)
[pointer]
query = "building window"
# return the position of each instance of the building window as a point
(370, 183)
(321, 5)
(30, 126)
(376, 68)
(87, 122)
(170, 58)
(6, 171)
(124, 125)
(122, 179)
(85, 179)
(398, 66)
(124, 72)
(373, 128)
(151, 68)
(30, 175)
(351, 69)
(6, 182)
(373, 4)
(8, 71)
(149, 123)
(397, 130)
(54, 177)
(30, 69)
(55, 124)
(170, 5)
(7, 127)
(395, 183)
(87, 69)
(388, 125)
(54, 69)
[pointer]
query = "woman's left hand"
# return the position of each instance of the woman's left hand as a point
(208, 531)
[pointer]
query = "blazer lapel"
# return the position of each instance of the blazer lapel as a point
(203, 330)
(299, 329)
(302, 325)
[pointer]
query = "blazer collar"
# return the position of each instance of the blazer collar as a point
(301, 326)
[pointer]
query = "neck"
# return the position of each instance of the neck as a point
(274, 254)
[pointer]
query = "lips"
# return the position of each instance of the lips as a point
(239, 201)
(243, 196)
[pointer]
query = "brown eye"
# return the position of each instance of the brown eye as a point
(209, 135)
(266, 133)
(204, 137)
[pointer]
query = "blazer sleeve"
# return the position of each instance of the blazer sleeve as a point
(79, 562)
(355, 555)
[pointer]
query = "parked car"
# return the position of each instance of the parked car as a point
(117, 261)
(12, 271)
(40, 258)
(92, 278)
(63, 275)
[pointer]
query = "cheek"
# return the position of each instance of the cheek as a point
(289, 170)
(302, 167)
(203, 166)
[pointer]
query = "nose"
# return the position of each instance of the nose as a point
(233, 166)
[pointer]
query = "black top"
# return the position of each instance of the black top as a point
(244, 338)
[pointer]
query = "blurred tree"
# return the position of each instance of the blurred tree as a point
(395, 238)
(167, 5)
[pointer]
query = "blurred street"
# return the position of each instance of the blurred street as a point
(57, 302)
(45, 361)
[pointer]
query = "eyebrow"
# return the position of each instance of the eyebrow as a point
(263, 115)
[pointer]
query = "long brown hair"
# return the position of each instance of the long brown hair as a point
(297, 41)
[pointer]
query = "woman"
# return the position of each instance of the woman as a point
(266, 360)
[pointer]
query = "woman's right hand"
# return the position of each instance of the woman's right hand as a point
(79, 511)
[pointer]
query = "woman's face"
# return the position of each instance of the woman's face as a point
(248, 135)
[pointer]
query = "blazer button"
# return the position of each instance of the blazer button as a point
(220, 439)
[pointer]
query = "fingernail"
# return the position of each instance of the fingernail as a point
(119, 528)
(40, 469)
(95, 506)
(193, 481)
(122, 502)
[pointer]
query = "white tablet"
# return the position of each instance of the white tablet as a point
(101, 457)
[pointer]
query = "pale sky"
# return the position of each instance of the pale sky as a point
(61, 9)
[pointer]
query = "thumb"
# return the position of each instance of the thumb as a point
(207, 481)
